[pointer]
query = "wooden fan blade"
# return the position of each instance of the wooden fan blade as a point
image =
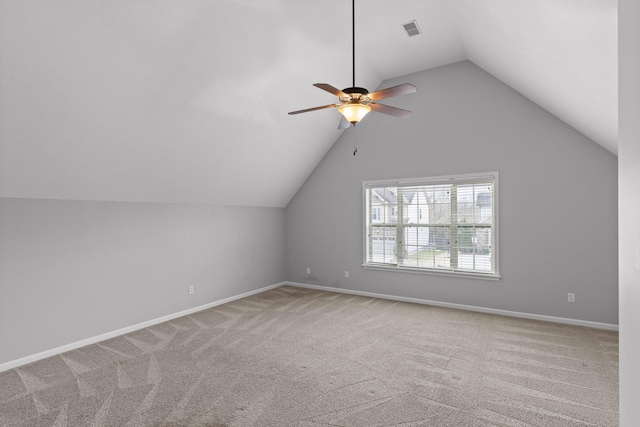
(344, 123)
(402, 89)
(392, 111)
(337, 92)
(314, 109)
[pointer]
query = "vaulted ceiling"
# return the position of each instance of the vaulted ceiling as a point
(187, 101)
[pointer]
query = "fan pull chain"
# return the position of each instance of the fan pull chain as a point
(355, 145)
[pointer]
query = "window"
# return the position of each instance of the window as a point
(375, 214)
(445, 225)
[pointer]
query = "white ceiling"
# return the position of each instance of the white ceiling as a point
(187, 101)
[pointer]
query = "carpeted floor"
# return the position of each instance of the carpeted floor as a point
(299, 357)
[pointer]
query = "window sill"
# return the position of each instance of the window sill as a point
(488, 276)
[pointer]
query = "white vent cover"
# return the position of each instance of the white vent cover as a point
(411, 28)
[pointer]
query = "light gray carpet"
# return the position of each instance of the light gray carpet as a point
(299, 357)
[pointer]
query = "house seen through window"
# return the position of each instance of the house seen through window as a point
(441, 224)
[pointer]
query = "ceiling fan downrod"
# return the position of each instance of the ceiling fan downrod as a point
(354, 88)
(353, 42)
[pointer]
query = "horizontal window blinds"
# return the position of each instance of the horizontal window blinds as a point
(441, 224)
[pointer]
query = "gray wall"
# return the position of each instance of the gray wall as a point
(629, 181)
(71, 270)
(558, 198)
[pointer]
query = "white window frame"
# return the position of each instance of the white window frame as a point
(436, 180)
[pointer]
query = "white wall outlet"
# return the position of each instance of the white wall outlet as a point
(571, 297)
(346, 274)
(308, 270)
(191, 290)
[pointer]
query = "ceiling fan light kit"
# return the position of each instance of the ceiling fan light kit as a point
(357, 102)
(354, 112)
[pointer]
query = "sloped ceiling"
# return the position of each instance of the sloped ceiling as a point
(187, 101)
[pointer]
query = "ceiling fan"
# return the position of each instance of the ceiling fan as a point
(356, 102)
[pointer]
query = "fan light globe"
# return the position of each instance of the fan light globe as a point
(354, 112)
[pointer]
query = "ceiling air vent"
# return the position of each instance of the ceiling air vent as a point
(411, 28)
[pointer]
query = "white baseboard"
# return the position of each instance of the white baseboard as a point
(88, 341)
(576, 322)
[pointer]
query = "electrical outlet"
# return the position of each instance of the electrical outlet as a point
(308, 270)
(191, 290)
(571, 297)
(346, 274)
